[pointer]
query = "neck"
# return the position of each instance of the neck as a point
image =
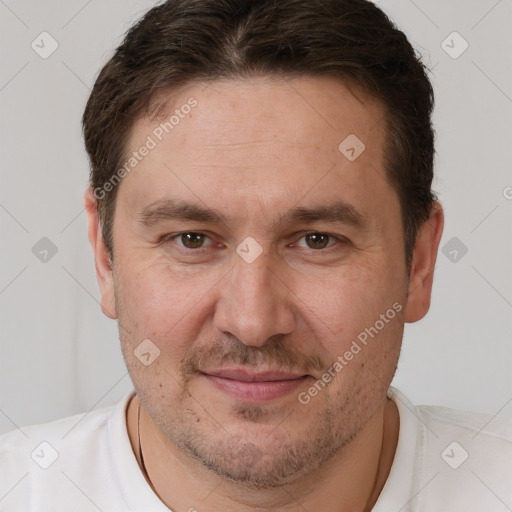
(350, 481)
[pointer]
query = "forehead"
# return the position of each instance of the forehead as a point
(310, 108)
(259, 141)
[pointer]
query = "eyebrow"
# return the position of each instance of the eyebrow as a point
(335, 212)
(169, 209)
(339, 212)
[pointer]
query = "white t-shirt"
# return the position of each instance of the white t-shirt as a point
(446, 461)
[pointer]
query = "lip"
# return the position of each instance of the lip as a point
(255, 387)
(246, 376)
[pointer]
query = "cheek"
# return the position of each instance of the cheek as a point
(346, 300)
(164, 305)
(160, 317)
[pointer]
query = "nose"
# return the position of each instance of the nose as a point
(254, 304)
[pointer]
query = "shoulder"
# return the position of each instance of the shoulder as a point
(62, 432)
(44, 459)
(469, 435)
(462, 459)
(472, 424)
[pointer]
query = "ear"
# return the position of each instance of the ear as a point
(104, 272)
(423, 263)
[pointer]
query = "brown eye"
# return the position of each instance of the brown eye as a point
(192, 240)
(317, 240)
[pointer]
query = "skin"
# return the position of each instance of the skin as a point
(254, 150)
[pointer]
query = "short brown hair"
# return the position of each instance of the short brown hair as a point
(182, 42)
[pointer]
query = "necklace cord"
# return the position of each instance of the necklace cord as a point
(143, 465)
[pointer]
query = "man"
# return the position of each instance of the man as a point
(263, 225)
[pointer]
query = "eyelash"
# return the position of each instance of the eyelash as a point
(337, 238)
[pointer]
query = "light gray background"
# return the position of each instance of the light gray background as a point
(60, 356)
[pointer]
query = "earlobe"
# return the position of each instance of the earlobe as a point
(102, 262)
(423, 263)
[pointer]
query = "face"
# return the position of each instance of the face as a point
(266, 267)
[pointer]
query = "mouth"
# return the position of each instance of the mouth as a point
(255, 387)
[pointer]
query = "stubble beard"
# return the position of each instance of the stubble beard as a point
(276, 460)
